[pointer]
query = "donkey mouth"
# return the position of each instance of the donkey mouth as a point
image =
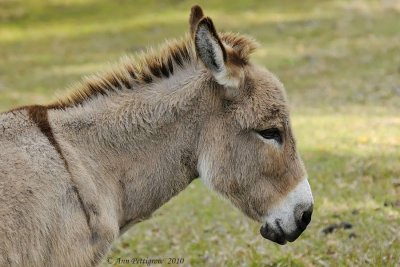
(277, 236)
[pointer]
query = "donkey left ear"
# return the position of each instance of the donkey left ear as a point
(213, 54)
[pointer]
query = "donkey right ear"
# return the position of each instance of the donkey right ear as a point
(196, 14)
(213, 54)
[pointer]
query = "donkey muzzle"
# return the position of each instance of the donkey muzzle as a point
(287, 219)
(275, 232)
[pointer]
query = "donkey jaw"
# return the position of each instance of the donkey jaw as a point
(289, 217)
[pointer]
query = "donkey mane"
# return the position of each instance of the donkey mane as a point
(149, 67)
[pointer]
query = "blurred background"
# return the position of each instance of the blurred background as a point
(340, 63)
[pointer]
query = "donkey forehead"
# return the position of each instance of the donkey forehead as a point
(264, 84)
(263, 102)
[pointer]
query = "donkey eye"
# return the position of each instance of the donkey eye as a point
(272, 133)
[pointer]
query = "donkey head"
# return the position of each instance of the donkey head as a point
(247, 151)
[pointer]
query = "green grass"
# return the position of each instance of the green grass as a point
(340, 63)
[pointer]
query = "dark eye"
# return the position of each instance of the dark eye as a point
(272, 133)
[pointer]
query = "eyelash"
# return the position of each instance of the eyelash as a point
(272, 133)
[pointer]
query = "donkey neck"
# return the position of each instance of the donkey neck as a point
(138, 147)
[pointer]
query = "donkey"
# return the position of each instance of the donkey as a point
(76, 173)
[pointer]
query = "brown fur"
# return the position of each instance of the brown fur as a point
(76, 174)
(38, 114)
(196, 14)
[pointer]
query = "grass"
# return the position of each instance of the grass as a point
(340, 63)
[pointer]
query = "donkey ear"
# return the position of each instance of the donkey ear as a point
(196, 14)
(212, 53)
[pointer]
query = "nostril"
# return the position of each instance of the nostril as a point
(264, 231)
(306, 218)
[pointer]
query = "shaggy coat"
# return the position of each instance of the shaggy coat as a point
(75, 174)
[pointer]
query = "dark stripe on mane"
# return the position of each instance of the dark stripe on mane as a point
(147, 69)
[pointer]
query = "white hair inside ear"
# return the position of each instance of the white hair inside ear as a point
(226, 79)
(230, 83)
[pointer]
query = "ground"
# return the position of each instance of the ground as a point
(340, 63)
